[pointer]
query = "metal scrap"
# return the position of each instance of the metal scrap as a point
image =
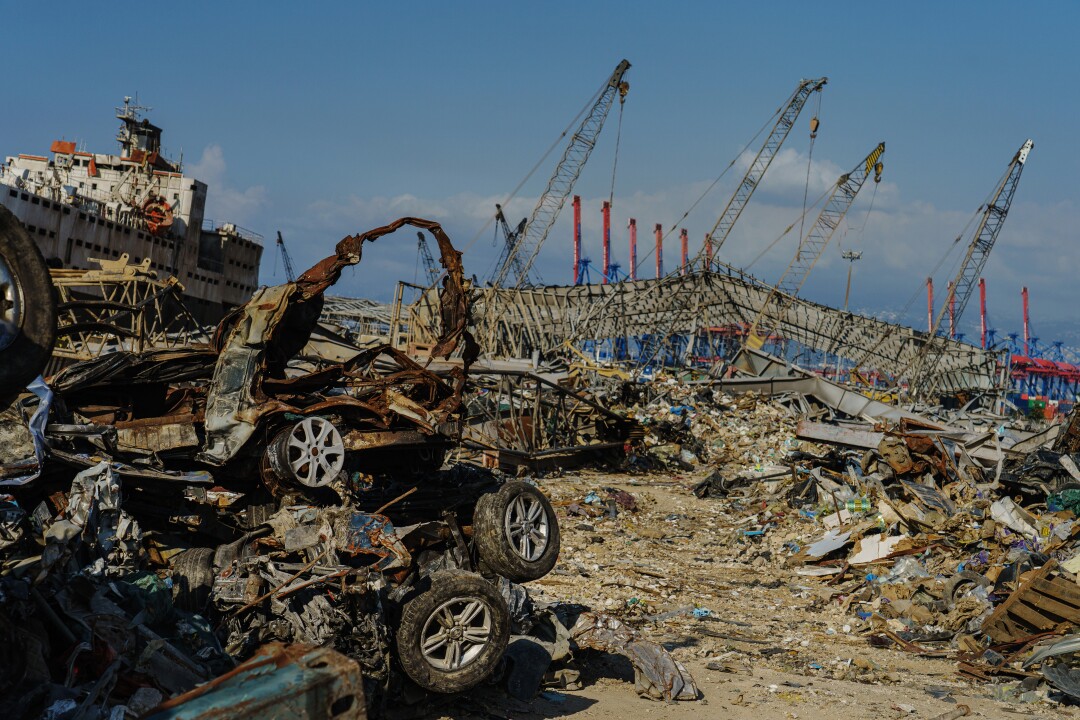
(298, 681)
(656, 673)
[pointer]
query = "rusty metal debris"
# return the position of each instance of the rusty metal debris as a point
(252, 510)
(657, 674)
(119, 306)
(299, 681)
(523, 419)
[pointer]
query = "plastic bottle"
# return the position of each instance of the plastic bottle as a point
(859, 504)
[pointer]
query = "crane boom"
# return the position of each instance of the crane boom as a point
(978, 252)
(993, 217)
(811, 247)
(788, 114)
(430, 267)
(843, 195)
(290, 274)
(561, 183)
(510, 240)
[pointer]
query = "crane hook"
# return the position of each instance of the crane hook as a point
(624, 88)
(878, 167)
(814, 125)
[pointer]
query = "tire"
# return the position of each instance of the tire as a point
(193, 579)
(516, 552)
(961, 584)
(479, 619)
(27, 307)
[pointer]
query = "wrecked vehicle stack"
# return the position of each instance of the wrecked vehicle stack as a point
(246, 502)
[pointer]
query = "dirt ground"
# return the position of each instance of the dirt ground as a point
(775, 644)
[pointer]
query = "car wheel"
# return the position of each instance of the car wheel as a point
(453, 635)
(27, 307)
(516, 532)
(193, 578)
(311, 452)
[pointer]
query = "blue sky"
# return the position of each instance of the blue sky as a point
(327, 119)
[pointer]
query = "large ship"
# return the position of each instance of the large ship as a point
(82, 206)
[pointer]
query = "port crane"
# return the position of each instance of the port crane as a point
(811, 247)
(978, 252)
(520, 254)
(428, 261)
(788, 114)
(510, 241)
(290, 274)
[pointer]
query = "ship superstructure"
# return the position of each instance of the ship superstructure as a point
(80, 205)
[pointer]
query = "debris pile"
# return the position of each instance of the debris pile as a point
(957, 541)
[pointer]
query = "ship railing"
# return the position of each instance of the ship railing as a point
(249, 235)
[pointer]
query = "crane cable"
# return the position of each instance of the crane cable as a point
(712, 185)
(861, 231)
(915, 294)
(615, 162)
(513, 193)
(869, 210)
(789, 228)
(494, 264)
(809, 160)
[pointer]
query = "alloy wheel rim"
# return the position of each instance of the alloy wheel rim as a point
(527, 527)
(315, 452)
(456, 633)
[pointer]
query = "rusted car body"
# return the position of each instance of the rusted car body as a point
(252, 402)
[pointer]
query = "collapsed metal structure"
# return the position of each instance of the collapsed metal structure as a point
(358, 317)
(522, 418)
(677, 309)
(119, 307)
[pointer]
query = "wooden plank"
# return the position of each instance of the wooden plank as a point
(1030, 616)
(1046, 604)
(1004, 630)
(1003, 608)
(994, 627)
(1015, 631)
(1060, 589)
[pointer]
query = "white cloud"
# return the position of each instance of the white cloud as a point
(225, 203)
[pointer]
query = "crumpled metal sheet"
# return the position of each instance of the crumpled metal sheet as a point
(1064, 678)
(37, 430)
(931, 497)
(236, 391)
(295, 681)
(1065, 646)
(370, 534)
(657, 674)
(1016, 518)
(93, 517)
(344, 530)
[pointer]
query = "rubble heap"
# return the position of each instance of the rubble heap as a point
(953, 537)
